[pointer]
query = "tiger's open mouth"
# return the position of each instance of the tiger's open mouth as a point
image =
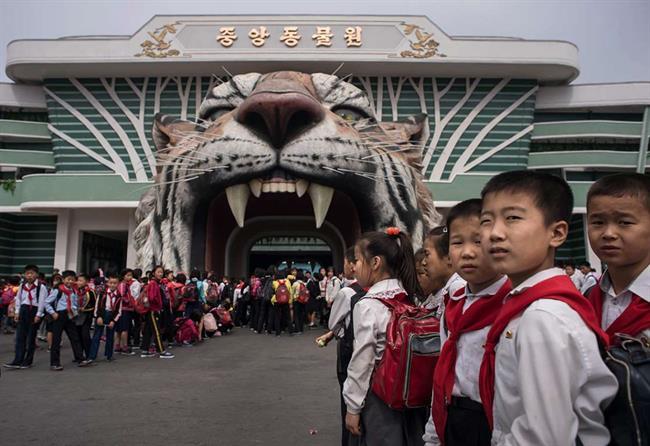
(279, 182)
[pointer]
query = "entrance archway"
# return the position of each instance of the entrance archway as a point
(291, 251)
(242, 240)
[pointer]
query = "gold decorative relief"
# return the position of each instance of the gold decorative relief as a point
(159, 47)
(422, 43)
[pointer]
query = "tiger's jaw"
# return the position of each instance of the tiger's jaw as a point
(321, 196)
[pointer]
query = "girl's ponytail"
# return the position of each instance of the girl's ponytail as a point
(396, 249)
(405, 269)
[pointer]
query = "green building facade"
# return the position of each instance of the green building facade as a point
(76, 152)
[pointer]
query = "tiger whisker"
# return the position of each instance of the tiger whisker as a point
(337, 69)
(332, 169)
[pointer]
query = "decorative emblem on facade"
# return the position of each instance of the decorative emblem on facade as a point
(158, 47)
(422, 43)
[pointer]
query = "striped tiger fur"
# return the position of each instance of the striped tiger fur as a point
(376, 163)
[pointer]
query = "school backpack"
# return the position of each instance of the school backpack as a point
(142, 302)
(191, 292)
(303, 293)
(346, 344)
(267, 291)
(628, 415)
(209, 323)
(213, 293)
(186, 332)
(225, 318)
(227, 292)
(8, 296)
(403, 377)
(282, 293)
(256, 288)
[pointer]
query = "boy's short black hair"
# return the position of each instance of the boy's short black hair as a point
(464, 209)
(440, 238)
(68, 273)
(551, 194)
(84, 275)
(112, 275)
(636, 185)
(31, 267)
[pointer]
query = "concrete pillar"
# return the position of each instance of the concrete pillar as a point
(63, 220)
(130, 250)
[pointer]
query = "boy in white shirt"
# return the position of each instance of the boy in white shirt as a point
(542, 367)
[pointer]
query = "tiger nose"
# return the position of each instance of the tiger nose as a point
(279, 116)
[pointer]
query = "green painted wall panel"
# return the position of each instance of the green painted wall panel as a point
(26, 239)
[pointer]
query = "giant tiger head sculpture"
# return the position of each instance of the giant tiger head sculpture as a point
(285, 132)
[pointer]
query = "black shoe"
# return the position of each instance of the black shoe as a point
(56, 368)
(11, 365)
(146, 354)
(25, 366)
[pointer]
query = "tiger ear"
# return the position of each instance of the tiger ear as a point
(409, 130)
(168, 131)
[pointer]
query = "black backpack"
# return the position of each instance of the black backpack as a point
(267, 290)
(628, 416)
(346, 345)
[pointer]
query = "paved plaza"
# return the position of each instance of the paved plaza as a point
(241, 389)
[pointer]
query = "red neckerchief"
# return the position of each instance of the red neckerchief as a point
(68, 301)
(479, 315)
(29, 292)
(632, 321)
(556, 288)
(113, 296)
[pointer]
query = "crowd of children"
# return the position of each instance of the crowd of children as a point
(526, 353)
(530, 353)
(151, 312)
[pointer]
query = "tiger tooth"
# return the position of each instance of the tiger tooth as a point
(282, 187)
(237, 199)
(301, 187)
(266, 187)
(291, 187)
(256, 187)
(321, 198)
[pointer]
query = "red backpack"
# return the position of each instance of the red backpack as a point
(282, 293)
(142, 302)
(303, 294)
(8, 296)
(256, 288)
(404, 377)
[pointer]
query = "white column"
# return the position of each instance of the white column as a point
(61, 244)
(593, 260)
(130, 250)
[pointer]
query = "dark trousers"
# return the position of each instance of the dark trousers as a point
(64, 323)
(281, 317)
(97, 337)
(467, 424)
(150, 330)
(26, 335)
(167, 324)
(265, 307)
(136, 329)
(241, 313)
(347, 439)
(254, 314)
(83, 331)
(299, 316)
(383, 426)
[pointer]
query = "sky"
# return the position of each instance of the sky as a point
(613, 36)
